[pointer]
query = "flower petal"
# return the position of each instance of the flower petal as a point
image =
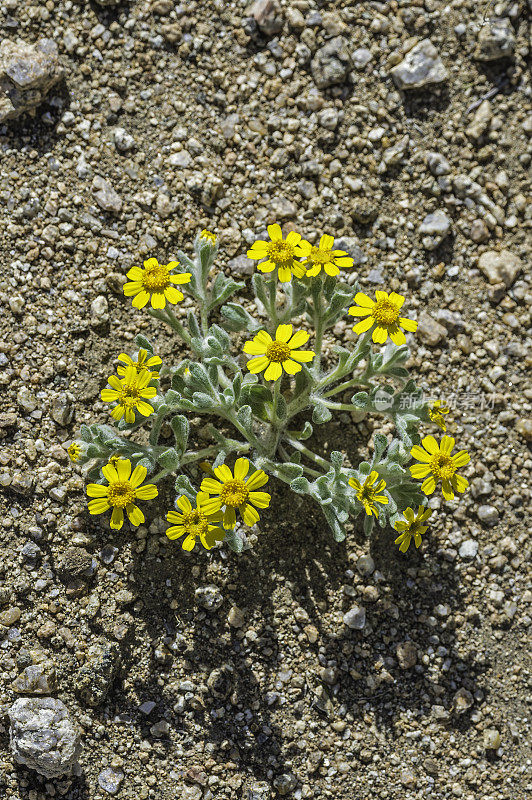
(431, 445)
(362, 299)
(303, 355)
(136, 517)
(138, 476)
(249, 514)
(379, 335)
(408, 324)
(285, 276)
(257, 364)
(173, 295)
(283, 333)
(293, 238)
(291, 367)
(241, 468)
(256, 480)
(123, 468)
(98, 506)
(141, 299)
(358, 311)
(223, 473)
(273, 372)
(397, 336)
(210, 486)
(274, 232)
(229, 520)
(147, 492)
(97, 490)
(419, 470)
(461, 459)
(396, 299)
(260, 499)
(460, 483)
(364, 325)
(428, 485)
(254, 348)
(189, 542)
(110, 473)
(158, 300)
(117, 518)
(298, 339)
(420, 454)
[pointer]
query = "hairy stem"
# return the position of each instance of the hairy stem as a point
(321, 462)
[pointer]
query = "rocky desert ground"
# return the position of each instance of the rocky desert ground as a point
(302, 668)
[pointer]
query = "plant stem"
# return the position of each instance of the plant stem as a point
(207, 452)
(317, 318)
(167, 315)
(346, 385)
(321, 462)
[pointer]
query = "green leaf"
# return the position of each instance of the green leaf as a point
(300, 485)
(380, 444)
(288, 471)
(184, 486)
(301, 436)
(143, 343)
(201, 400)
(181, 429)
(259, 288)
(361, 400)
(334, 523)
(237, 318)
(193, 325)
(368, 524)
(227, 287)
(337, 459)
(244, 416)
(169, 459)
(320, 413)
(234, 541)
(85, 434)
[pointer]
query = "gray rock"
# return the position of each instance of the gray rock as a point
(37, 679)
(180, 159)
(481, 120)
(27, 73)
(500, 267)
(462, 701)
(355, 618)
(110, 779)
(26, 399)
(104, 194)
(361, 57)
(123, 141)
(406, 655)
(488, 515)
(241, 265)
(99, 311)
(438, 164)
(95, 677)
(330, 65)
(221, 681)
(209, 597)
(42, 737)
(421, 66)
(61, 409)
(76, 563)
(434, 228)
(108, 2)
(430, 332)
(468, 549)
(496, 40)
(285, 783)
(257, 790)
(268, 16)
(366, 565)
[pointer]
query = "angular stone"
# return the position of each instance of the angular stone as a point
(104, 194)
(500, 266)
(434, 228)
(421, 66)
(27, 73)
(95, 677)
(267, 15)
(331, 64)
(110, 779)
(406, 655)
(209, 597)
(496, 40)
(355, 618)
(430, 332)
(42, 737)
(37, 679)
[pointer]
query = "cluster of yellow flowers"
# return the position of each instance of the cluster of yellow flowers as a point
(222, 493)
(208, 521)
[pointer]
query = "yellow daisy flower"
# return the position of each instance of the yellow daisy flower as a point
(143, 363)
(439, 465)
(323, 256)
(412, 527)
(130, 394)
(156, 283)
(205, 234)
(274, 355)
(383, 313)
(124, 488)
(280, 254)
(368, 492)
(195, 522)
(236, 492)
(74, 451)
(436, 413)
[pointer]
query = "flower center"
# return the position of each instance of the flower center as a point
(121, 494)
(234, 493)
(281, 253)
(155, 279)
(278, 352)
(130, 395)
(196, 523)
(318, 256)
(385, 312)
(367, 494)
(73, 451)
(442, 466)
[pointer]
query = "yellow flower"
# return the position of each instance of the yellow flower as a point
(130, 394)
(195, 522)
(274, 355)
(280, 254)
(74, 451)
(205, 234)
(436, 413)
(412, 527)
(384, 314)
(324, 256)
(368, 492)
(236, 492)
(124, 488)
(142, 363)
(439, 465)
(155, 282)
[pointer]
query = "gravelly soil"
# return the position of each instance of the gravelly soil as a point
(270, 694)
